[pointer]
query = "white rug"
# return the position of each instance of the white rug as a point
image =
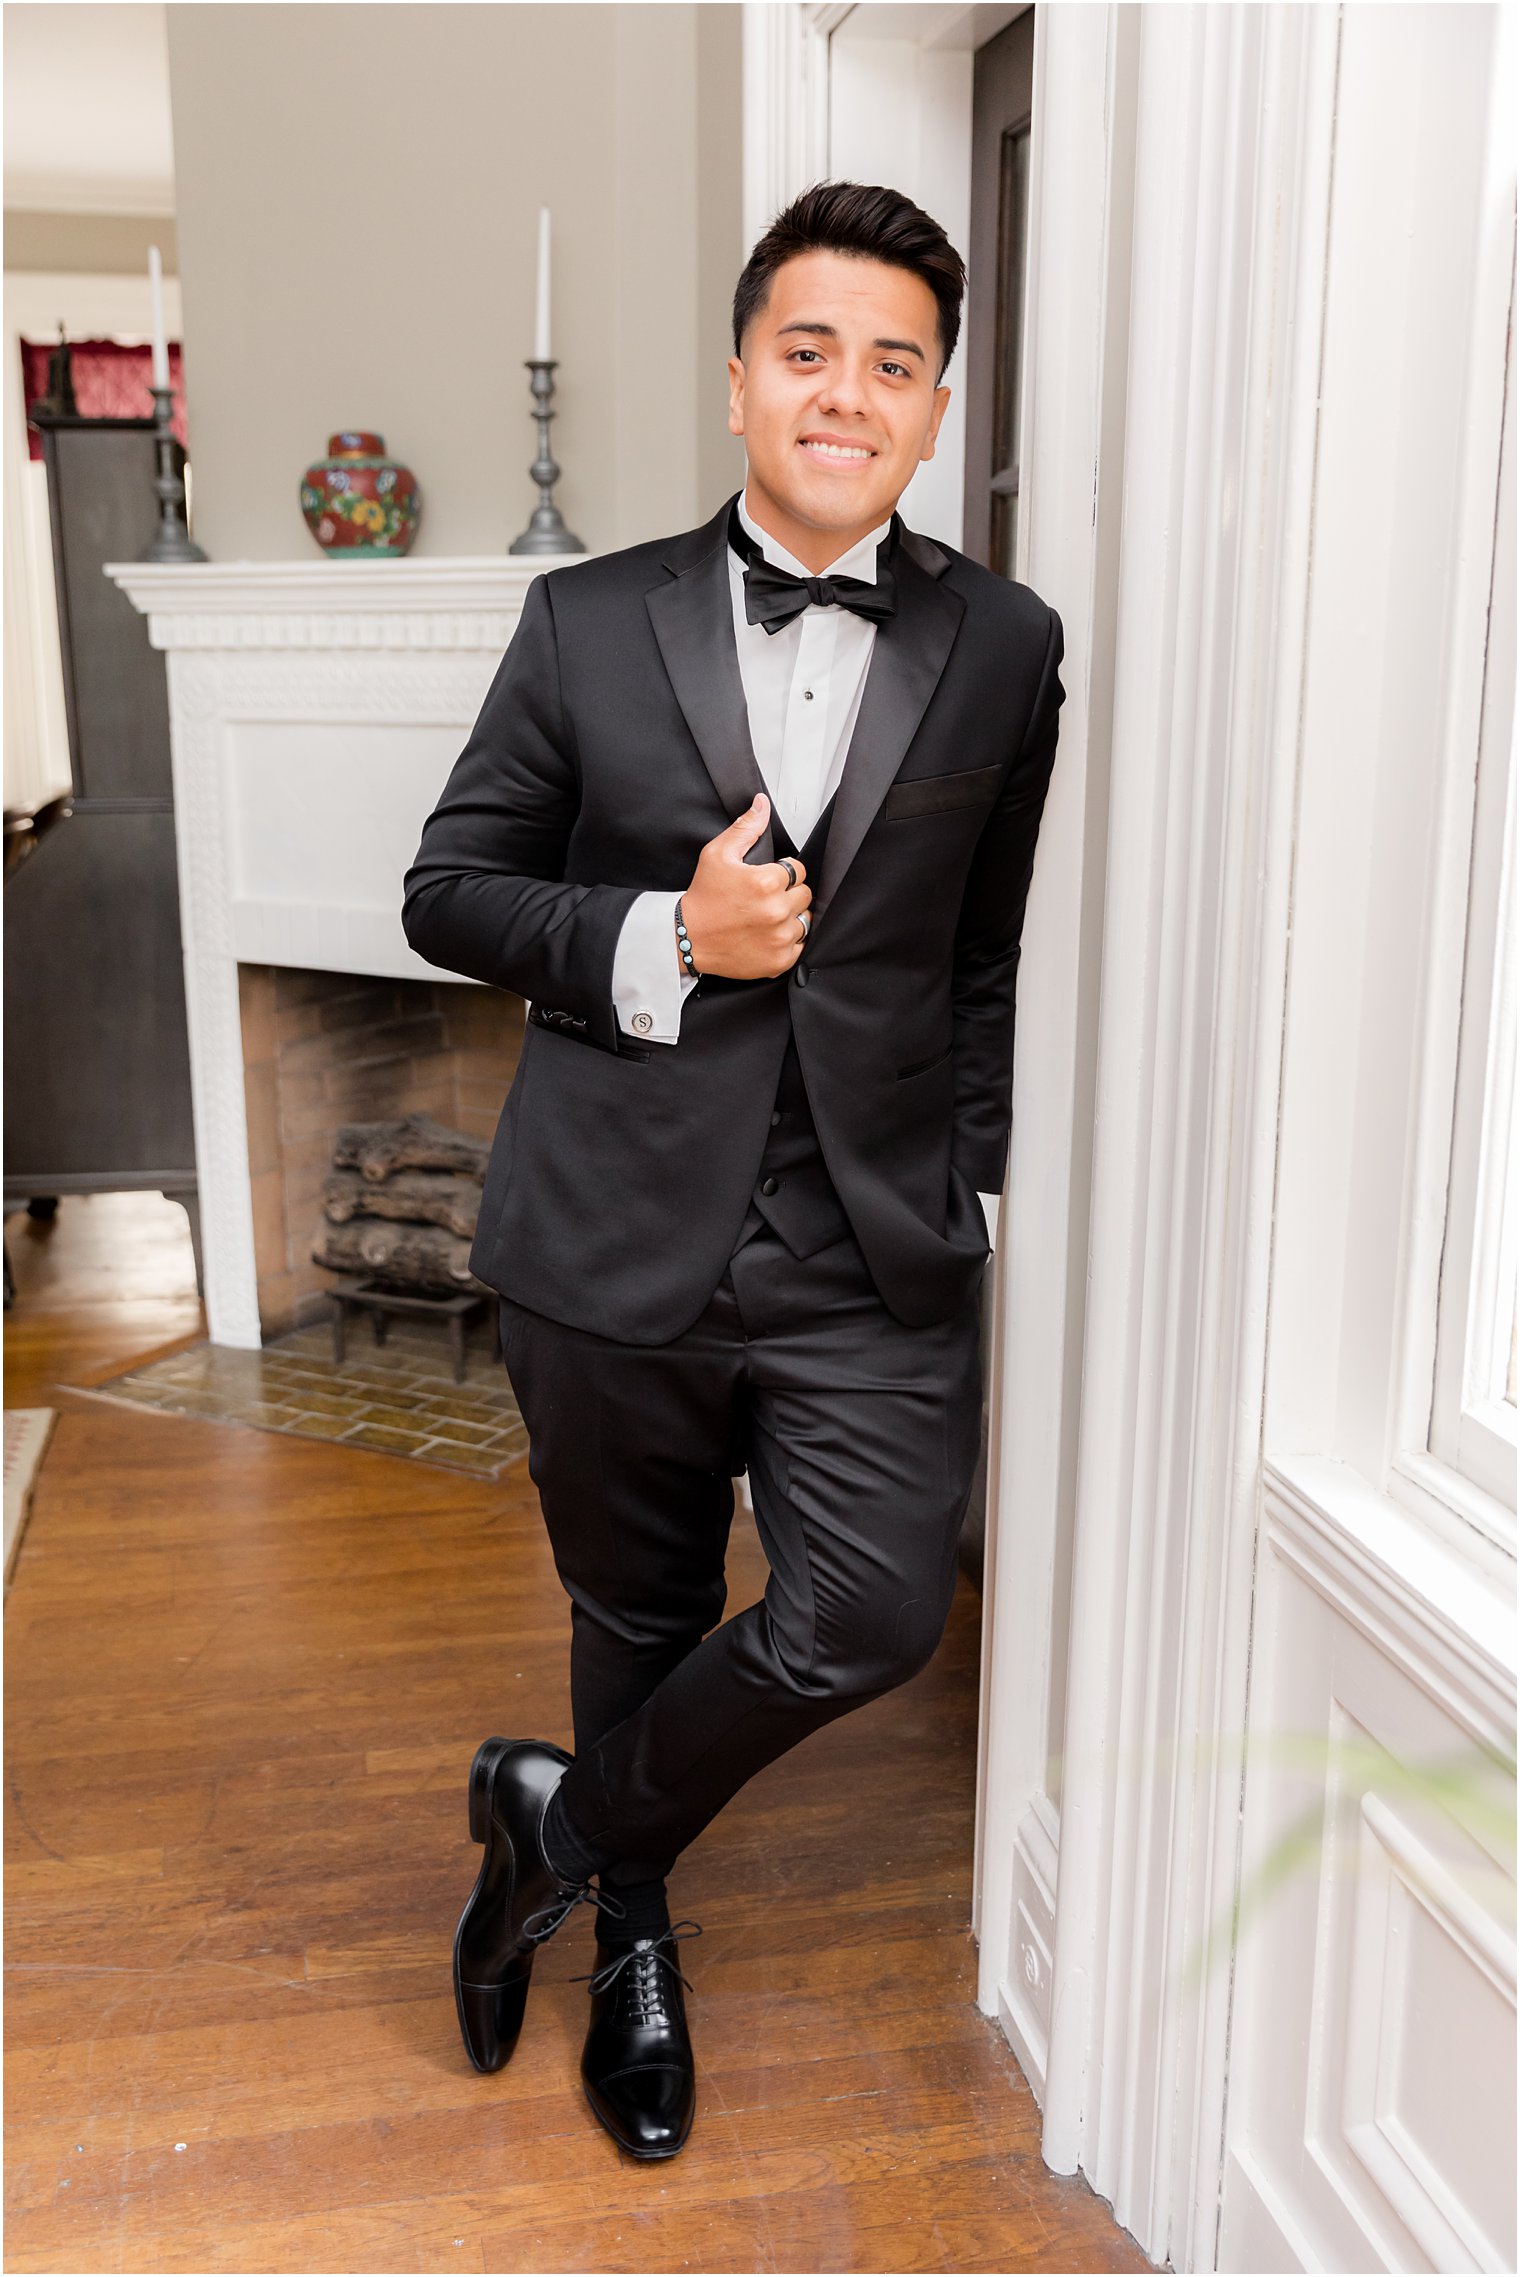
(27, 1431)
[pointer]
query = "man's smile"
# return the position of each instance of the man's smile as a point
(830, 451)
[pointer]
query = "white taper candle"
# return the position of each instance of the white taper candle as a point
(160, 344)
(541, 350)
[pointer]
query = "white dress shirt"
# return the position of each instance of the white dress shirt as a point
(802, 691)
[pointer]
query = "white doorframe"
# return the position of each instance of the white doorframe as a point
(1180, 182)
(1227, 204)
(1076, 309)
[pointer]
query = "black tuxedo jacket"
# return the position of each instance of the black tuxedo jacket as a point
(612, 744)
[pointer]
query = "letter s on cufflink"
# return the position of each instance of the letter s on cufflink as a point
(643, 1021)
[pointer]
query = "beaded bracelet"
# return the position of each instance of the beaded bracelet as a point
(683, 942)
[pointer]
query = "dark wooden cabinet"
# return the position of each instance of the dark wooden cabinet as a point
(97, 1056)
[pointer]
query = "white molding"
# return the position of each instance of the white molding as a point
(1455, 1511)
(1368, 2084)
(1434, 1615)
(786, 104)
(439, 603)
(1268, 2230)
(1397, 1869)
(471, 634)
(1230, 189)
(1022, 1991)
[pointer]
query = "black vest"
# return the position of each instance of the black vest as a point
(793, 1191)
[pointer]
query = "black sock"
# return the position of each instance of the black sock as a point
(646, 1912)
(571, 1857)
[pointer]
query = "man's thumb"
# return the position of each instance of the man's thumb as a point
(747, 827)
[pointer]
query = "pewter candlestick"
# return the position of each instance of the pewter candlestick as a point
(546, 532)
(172, 541)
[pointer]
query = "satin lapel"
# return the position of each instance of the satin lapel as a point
(694, 625)
(906, 662)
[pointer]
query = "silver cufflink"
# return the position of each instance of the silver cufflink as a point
(643, 1021)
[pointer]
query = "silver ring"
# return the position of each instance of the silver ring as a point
(804, 919)
(790, 872)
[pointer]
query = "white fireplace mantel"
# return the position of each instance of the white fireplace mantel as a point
(468, 601)
(315, 710)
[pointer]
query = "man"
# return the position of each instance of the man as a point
(749, 815)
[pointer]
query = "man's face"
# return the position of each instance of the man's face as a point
(836, 398)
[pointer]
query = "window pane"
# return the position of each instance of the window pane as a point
(1472, 1416)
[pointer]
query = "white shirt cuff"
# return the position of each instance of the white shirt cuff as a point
(990, 1206)
(648, 985)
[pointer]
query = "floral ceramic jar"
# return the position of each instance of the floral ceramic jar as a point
(357, 501)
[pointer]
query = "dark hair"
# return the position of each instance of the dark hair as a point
(864, 219)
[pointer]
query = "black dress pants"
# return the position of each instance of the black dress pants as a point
(861, 1440)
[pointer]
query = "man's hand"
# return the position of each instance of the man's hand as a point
(742, 916)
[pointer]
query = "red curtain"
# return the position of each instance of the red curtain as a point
(111, 381)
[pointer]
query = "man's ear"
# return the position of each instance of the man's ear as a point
(735, 396)
(941, 406)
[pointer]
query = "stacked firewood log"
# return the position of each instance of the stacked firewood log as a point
(400, 1205)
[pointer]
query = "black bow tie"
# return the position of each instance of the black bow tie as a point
(772, 596)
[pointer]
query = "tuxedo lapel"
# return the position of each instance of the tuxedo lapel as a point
(909, 655)
(693, 622)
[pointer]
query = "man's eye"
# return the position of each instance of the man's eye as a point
(900, 369)
(813, 352)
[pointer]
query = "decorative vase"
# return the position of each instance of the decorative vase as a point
(357, 501)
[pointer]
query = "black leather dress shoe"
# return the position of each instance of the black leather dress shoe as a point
(518, 1900)
(636, 2065)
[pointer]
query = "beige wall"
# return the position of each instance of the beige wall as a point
(357, 192)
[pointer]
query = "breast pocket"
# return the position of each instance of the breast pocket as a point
(934, 794)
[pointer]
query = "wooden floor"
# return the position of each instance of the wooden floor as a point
(245, 1676)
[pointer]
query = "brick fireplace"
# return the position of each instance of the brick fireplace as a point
(323, 1048)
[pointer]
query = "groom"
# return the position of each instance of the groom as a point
(749, 816)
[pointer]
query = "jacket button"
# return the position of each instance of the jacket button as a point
(775, 1119)
(801, 972)
(769, 1185)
